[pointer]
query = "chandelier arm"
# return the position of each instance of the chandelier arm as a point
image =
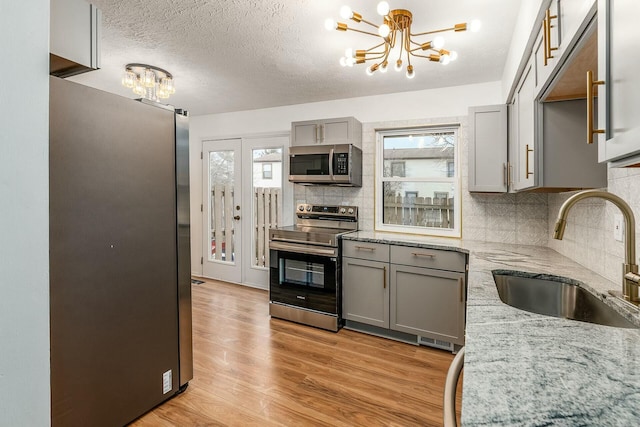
(420, 56)
(433, 32)
(370, 23)
(379, 55)
(363, 32)
(375, 47)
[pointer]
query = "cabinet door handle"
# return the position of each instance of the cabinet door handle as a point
(365, 248)
(317, 133)
(423, 255)
(321, 133)
(528, 150)
(505, 174)
(546, 25)
(590, 126)
(384, 277)
(461, 285)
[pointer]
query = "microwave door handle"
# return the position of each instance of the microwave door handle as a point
(331, 163)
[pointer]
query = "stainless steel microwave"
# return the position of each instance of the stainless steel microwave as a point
(339, 164)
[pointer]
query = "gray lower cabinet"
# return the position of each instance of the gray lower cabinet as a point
(365, 291)
(405, 292)
(428, 302)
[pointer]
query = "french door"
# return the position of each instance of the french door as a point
(244, 195)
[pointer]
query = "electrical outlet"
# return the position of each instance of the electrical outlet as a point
(618, 227)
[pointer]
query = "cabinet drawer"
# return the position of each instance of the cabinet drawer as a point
(366, 250)
(431, 258)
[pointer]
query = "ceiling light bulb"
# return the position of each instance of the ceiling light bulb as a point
(129, 79)
(148, 78)
(383, 8)
(445, 59)
(343, 61)
(410, 73)
(398, 66)
(346, 12)
(139, 88)
(384, 30)
(475, 26)
(348, 52)
(438, 42)
(330, 24)
(350, 61)
(369, 71)
(453, 55)
(383, 67)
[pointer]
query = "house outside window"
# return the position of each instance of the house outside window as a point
(417, 181)
(267, 171)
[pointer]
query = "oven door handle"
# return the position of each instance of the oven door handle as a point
(277, 245)
(299, 242)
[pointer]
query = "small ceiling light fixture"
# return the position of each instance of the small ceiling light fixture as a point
(395, 30)
(148, 81)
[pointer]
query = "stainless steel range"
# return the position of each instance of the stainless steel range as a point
(305, 275)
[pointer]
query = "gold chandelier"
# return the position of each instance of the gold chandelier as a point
(148, 81)
(395, 30)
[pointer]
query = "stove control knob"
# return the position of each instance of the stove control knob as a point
(343, 210)
(301, 208)
(350, 211)
(308, 208)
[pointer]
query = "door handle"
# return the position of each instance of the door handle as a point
(527, 173)
(546, 25)
(237, 217)
(384, 278)
(590, 126)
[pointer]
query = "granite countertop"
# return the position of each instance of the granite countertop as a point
(525, 369)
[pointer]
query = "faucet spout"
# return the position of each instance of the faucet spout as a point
(629, 287)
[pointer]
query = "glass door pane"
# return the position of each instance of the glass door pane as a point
(221, 206)
(267, 200)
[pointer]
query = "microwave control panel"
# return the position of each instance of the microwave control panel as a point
(342, 164)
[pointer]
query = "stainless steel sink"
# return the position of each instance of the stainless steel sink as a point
(556, 297)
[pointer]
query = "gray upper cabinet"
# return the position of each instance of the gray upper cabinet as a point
(488, 170)
(619, 96)
(343, 130)
(524, 159)
(75, 37)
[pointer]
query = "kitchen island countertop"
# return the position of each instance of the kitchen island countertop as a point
(526, 369)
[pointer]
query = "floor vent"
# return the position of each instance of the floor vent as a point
(444, 345)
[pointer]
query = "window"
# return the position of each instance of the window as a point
(417, 181)
(267, 173)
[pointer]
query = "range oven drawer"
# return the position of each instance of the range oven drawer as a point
(313, 301)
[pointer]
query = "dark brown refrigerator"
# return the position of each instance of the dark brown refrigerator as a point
(119, 254)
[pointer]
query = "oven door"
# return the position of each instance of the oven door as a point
(304, 280)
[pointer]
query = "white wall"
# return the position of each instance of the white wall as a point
(527, 16)
(404, 106)
(24, 209)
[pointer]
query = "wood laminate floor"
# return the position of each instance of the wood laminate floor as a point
(251, 370)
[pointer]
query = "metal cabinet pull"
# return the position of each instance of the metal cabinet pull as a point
(505, 174)
(590, 84)
(546, 36)
(384, 278)
(365, 248)
(510, 179)
(461, 285)
(528, 150)
(317, 133)
(423, 255)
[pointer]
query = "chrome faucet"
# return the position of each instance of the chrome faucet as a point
(630, 277)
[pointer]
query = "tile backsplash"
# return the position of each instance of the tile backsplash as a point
(521, 218)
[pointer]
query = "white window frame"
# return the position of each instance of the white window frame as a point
(454, 232)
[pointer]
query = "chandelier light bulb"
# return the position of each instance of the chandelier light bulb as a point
(445, 59)
(383, 67)
(383, 8)
(369, 71)
(410, 73)
(343, 61)
(453, 55)
(346, 12)
(139, 88)
(129, 79)
(350, 61)
(398, 66)
(384, 30)
(148, 78)
(438, 42)
(330, 24)
(475, 26)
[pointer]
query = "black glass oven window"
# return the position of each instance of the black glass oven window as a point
(303, 273)
(309, 164)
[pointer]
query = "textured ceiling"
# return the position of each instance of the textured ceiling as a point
(233, 55)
